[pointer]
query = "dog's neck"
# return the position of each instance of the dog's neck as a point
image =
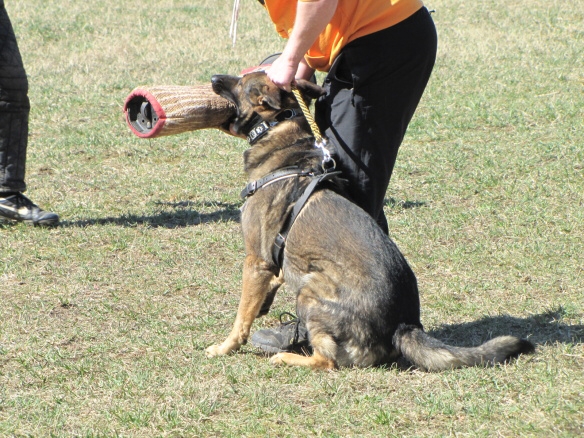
(290, 143)
(257, 126)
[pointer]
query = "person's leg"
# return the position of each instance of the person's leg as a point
(373, 90)
(14, 110)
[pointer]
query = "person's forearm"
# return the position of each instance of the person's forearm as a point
(311, 19)
(304, 71)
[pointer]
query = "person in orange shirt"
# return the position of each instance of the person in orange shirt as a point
(378, 56)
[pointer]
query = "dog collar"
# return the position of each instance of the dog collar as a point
(260, 129)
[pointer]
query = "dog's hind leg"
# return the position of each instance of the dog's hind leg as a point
(317, 361)
(321, 343)
(258, 281)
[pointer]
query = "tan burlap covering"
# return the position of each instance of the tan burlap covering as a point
(176, 109)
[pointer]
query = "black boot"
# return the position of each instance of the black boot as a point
(290, 336)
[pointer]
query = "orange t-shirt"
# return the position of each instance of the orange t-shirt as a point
(352, 19)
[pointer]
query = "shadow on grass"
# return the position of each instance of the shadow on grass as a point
(184, 215)
(542, 329)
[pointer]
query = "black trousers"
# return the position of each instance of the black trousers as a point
(14, 109)
(373, 89)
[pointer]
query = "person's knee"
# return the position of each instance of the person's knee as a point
(14, 95)
(13, 79)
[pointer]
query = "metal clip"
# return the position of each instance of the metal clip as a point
(326, 155)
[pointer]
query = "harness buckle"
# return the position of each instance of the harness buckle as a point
(279, 241)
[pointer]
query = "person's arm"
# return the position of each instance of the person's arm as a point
(304, 70)
(312, 16)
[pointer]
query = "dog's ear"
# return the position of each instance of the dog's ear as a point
(310, 89)
(270, 96)
(259, 90)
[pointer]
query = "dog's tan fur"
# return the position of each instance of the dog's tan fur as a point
(355, 291)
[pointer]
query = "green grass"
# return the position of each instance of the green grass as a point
(104, 320)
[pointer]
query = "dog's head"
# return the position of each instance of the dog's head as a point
(255, 95)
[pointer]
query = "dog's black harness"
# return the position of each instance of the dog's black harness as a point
(287, 172)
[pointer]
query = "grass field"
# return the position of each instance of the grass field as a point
(104, 319)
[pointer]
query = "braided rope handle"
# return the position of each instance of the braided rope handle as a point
(319, 141)
(307, 114)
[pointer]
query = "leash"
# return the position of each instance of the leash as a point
(307, 114)
(319, 141)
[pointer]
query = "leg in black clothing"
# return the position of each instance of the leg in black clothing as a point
(14, 110)
(373, 89)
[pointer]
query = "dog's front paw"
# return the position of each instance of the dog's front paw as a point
(216, 350)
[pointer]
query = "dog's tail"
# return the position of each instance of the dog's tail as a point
(430, 354)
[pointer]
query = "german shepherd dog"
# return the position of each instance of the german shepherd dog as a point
(354, 289)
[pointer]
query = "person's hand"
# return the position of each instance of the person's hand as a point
(311, 19)
(282, 73)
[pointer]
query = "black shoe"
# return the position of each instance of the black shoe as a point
(290, 336)
(18, 207)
